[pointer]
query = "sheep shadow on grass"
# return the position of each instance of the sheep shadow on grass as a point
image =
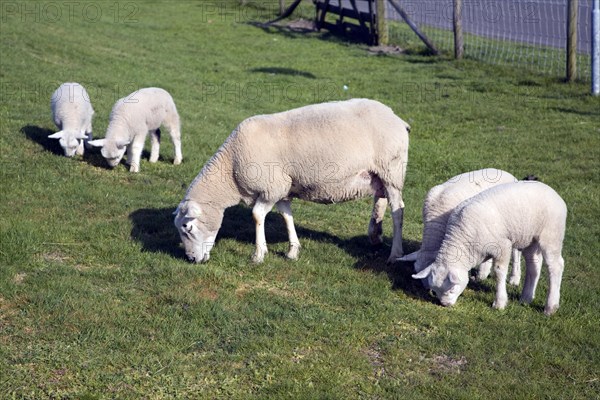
(93, 156)
(373, 259)
(154, 229)
(40, 136)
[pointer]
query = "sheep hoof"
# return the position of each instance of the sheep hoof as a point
(499, 304)
(258, 257)
(134, 168)
(375, 233)
(153, 159)
(549, 310)
(526, 299)
(393, 259)
(514, 281)
(375, 240)
(482, 277)
(293, 252)
(177, 161)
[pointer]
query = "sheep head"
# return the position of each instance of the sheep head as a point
(112, 151)
(69, 141)
(198, 227)
(447, 282)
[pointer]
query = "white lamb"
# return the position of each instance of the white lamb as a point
(72, 114)
(439, 203)
(326, 153)
(131, 118)
(526, 215)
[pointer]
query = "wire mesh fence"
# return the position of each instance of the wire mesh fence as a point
(525, 33)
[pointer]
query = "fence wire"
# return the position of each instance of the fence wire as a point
(526, 33)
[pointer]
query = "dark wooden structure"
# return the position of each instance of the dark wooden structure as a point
(364, 12)
(370, 15)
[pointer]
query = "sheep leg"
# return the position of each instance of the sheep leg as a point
(484, 269)
(556, 266)
(155, 145)
(80, 149)
(129, 154)
(259, 213)
(88, 133)
(375, 225)
(501, 270)
(175, 133)
(397, 205)
(501, 262)
(134, 152)
(515, 274)
(533, 268)
(285, 208)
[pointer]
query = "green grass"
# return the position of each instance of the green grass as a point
(97, 300)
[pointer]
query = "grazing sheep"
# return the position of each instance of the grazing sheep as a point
(72, 114)
(131, 118)
(439, 203)
(325, 153)
(526, 215)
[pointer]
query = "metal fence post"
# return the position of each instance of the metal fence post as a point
(596, 48)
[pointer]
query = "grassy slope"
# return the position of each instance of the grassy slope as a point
(97, 302)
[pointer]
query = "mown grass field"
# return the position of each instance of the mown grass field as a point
(97, 300)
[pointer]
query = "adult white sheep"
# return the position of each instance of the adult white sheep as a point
(72, 114)
(131, 118)
(326, 153)
(439, 203)
(526, 215)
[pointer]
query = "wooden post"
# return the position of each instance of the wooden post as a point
(382, 25)
(459, 44)
(281, 7)
(572, 40)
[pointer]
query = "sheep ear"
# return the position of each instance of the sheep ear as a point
(81, 135)
(123, 143)
(193, 210)
(56, 135)
(97, 142)
(176, 210)
(454, 277)
(411, 257)
(424, 273)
